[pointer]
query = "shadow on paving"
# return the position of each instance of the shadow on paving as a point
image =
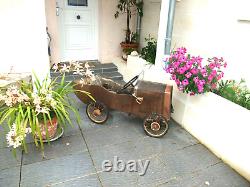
(176, 160)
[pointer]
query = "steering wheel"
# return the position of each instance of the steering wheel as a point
(129, 83)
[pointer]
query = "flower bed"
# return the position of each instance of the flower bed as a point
(235, 92)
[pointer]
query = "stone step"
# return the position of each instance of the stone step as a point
(97, 69)
(108, 70)
(112, 75)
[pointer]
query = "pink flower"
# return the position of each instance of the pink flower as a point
(194, 71)
(225, 65)
(171, 70)
(210, 77)
(189, 65)
(173, 77)
(177, 81)
(182, 50)
(196, 79)
(176, 64)
(181, 87)
(212, 65)
(200, 89)
(204, 74)
(185, 82)
(213, 86)
(202, 82)
(182, 70)
(203, 70)
(215, 59)
(214, 72)
(188, 74)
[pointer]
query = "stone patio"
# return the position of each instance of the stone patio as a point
(176, 160)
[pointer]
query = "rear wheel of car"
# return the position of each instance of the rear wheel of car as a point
(97, 112)
(155, 125)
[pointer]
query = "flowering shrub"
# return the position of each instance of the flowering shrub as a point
(190, 75)
(236, 92)
(26, 107)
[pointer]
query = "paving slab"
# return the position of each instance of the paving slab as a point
(3, 133)
(109, 136)
(219, 175)
(118, 179)
(156, 173)
(8, 160)
(72, 129)
(82, 181)
(56, 170)
(10, 177)
(67, 145)
(188, 160)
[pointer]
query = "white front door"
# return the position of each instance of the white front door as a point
(78, 21)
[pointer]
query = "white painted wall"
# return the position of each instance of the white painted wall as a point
(23, 36)
(150, 20)
(212, 28)
(219, 124)
(111, 30)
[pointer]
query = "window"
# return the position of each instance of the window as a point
(78, 2)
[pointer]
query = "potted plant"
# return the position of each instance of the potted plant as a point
(129, 7)
(148, 52)
(37, 110)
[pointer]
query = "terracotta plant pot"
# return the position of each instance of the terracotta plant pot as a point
(52, 128)
(126, 47)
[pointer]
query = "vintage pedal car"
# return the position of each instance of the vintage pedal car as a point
(148, 100)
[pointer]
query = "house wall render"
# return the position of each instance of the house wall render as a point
(150, 20)
(51, 20)
(213, 28)
(23, 36)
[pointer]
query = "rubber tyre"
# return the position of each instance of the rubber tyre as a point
(155, 125)
(98, 108)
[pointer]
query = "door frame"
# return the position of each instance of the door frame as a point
(61, 32)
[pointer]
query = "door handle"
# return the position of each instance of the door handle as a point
(78, 17)
(58, 8)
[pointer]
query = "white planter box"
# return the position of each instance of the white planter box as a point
(221, 125)
(153, 73)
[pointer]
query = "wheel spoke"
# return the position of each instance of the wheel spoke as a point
(97, 112)
(155, 125)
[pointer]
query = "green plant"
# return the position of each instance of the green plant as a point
(190, 75)
(26, 107)
(148, 52)
(134, 37)
(235, 92)
(128, 51)
(129, 7)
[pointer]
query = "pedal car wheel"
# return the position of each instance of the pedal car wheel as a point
(97, 112)
(155, 125)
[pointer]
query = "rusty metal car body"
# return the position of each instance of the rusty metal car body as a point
(148, 100)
